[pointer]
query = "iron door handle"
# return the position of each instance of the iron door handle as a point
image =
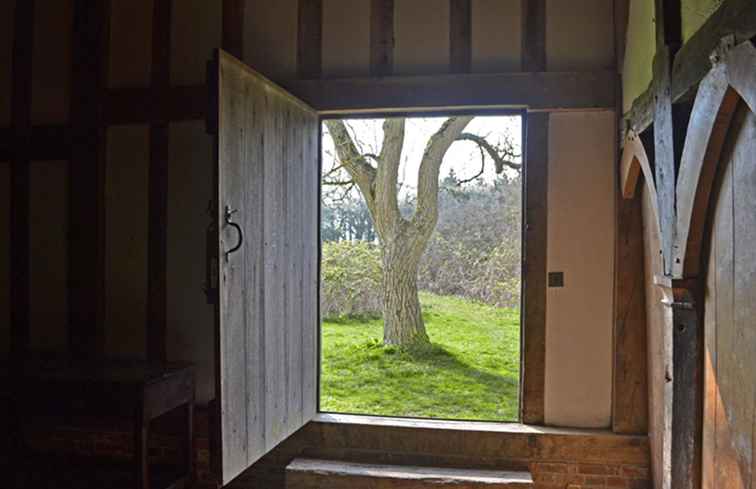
(228, 213)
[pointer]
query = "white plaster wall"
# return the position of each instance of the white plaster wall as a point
(581, 244)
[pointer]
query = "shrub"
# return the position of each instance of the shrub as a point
(351, 284)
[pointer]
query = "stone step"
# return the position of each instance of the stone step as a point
(303, 473)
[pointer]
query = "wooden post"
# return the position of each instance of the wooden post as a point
(86, 252)
(460, 35)
(533, 35)
(19, 191)
(536, 176)
(155, 334)
(310, 39)
(233, 27)
(381, 37)
(687, 383)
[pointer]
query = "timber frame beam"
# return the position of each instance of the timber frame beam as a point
(736, 18)
(683, 214)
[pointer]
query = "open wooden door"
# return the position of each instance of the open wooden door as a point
(267, 260)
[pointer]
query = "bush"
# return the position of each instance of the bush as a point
(351, 284)
(475, 251)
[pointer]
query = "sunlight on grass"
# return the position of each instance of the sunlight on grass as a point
(471, 371)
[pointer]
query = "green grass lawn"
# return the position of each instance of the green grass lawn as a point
(471, 371)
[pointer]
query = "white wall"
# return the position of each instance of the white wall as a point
(581, 244)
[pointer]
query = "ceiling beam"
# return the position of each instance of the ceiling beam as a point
(548, 91)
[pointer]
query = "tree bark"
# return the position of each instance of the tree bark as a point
(402, 316)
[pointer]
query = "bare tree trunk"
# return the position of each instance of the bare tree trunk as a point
(402, 316)
(403, 241)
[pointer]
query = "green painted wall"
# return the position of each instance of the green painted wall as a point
(637, 71)
(695, 13)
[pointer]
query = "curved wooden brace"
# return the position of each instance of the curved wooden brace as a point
(634, 162)
(730, 80)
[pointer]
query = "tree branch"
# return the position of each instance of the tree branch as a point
(480, 172)
(362, 172)
(387, 176)
(494, 152)
(426, 213)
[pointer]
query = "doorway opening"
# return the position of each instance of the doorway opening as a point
(420, 271)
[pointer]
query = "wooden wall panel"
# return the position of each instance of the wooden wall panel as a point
(130, 43)
(630, 385)
(195, 32)
(4, 259)
(48, 255)
(270, 38)
(740, 402)
(422, 39)
(581, 245)
(730, 339)
(189, 317)
(496, 36)
(579, 35)
(6, 55)
(346, 38)
(51, 66)
(126, 240)
(659, 337)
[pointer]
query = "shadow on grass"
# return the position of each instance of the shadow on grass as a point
(435, 355)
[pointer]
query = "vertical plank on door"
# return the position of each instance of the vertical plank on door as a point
(724, 307)
(741, 405)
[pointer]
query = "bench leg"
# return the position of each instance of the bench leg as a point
(141, 435)
(189, 442)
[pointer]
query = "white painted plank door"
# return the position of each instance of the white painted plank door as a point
(267, 206)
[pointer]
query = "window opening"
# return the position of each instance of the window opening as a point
(420, 292)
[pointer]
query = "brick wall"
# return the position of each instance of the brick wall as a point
(548, 475)
(611, 462)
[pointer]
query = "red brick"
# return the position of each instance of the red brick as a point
(638, 484)
(550, 468)
(616, 482)
(596, 469)
(541, 478)
(635, 471)
(594, 480)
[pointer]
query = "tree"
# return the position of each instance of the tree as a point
(403, 239)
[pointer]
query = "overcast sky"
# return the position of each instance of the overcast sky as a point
(463, 156)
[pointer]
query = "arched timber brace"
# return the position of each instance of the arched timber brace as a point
(634, 163)
(729, 81)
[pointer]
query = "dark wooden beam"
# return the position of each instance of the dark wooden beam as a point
(20, 180)
(6, 144)
(537, 91)
(157, 234)
(533, 35)
(141, 105)
(536, 175)
(621, 15)
(687, 388)
(45, 143)
(86, 251)
(381, 37)
(668, 22)
(735, 18)
(460, 36)
(233, 27)
(630, 384)
(310, 39)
